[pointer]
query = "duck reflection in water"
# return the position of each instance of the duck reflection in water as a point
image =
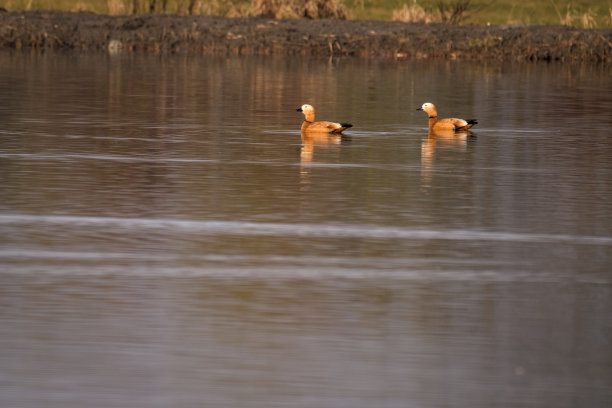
(318, 141)
(322, 134)
(455, 141)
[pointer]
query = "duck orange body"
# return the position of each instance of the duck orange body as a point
(447, 124)
(309, 124)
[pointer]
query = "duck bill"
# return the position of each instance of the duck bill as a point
(299, 109)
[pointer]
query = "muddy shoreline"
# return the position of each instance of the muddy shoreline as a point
(262, 36)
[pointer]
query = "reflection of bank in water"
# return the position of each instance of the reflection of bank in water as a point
(455, 141)
(313, 141)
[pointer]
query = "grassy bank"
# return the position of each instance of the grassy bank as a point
(45, 30)
(577, 13)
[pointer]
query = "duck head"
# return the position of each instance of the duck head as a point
(308, 112)
(429, 108)
(305, 108)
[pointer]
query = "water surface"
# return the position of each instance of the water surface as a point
(170, 239)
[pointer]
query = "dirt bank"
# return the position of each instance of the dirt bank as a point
(201, 34)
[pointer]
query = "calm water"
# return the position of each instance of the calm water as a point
(169, 240)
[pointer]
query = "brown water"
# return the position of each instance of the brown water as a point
(169, 240)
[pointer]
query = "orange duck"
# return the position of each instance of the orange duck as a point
(309, 124)
(445, 125)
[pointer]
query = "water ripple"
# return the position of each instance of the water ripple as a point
(213, 227)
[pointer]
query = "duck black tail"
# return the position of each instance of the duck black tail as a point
(472, 121)
(346, 125)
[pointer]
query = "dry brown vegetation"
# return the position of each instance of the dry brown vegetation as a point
(300, 9)
(575, 13)
(576, 19)
(182, 7)
(448, 12)
(311, 9)
(412, 14)
(453, 12)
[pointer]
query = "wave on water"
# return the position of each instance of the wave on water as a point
(215, 227)
(60, 157)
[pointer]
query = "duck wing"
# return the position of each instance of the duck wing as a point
(328, 127)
